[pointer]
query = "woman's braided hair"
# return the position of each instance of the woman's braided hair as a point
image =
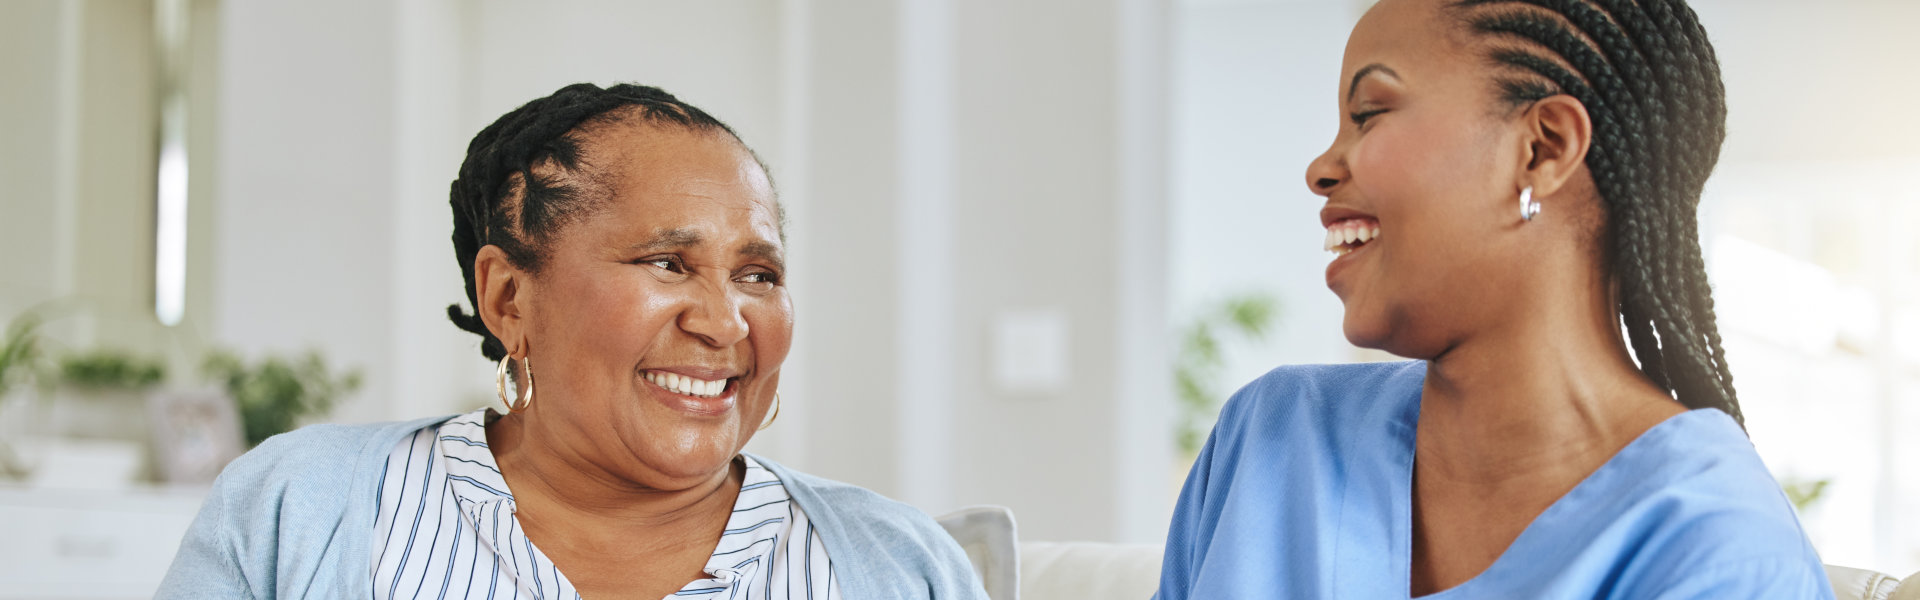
(1651, 83)
(525, 177)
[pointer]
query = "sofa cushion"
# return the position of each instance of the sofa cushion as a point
(1080, 570)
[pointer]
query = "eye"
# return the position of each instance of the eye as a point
(758, 280)
(1360, 119)
(670, 264)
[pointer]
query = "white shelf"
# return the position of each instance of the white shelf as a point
(91, 544)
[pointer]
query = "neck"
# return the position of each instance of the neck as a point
(1551, 391)
(555, 486)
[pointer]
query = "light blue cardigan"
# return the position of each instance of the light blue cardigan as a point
(294, 519)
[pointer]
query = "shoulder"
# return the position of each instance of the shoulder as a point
(1713, 512)
(315, 455)
(1705, 474)
(826, 499)
(277, 513)
(1324, 398)
(299, 482)
(1339, 379)
(883, 547)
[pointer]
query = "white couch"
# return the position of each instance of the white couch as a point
(1015, 570)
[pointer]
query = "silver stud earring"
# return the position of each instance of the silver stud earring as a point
(1528, 208)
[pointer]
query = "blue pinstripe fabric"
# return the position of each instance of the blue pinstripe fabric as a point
(445, 529)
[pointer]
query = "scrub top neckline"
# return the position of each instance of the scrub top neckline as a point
(1541, 524)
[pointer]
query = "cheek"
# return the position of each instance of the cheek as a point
(770, 323)
(605, 314)
(1429, 181)
(1415, 163)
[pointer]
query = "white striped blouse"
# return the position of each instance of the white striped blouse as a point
(446, 529)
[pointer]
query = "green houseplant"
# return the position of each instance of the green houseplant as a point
(1199, 359)
(20, 361)
(1804, 493)
(20, 352)
(110, 369)
(275, 392)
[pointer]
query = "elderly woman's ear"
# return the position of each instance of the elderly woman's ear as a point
(499, 285)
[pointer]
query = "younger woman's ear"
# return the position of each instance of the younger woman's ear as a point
(498, 286)
(1559, 133)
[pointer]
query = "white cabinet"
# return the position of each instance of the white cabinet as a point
(73, 544)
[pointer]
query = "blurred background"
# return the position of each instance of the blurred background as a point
(1033, 244)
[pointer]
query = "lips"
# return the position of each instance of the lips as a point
(1348, 231)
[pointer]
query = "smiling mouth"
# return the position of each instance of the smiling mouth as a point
(1347, 235)
(688, 386)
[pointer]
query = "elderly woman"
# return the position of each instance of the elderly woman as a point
(1530, 453)
(623, 253)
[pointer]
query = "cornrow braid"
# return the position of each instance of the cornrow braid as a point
(524, 177)
(1649, 78)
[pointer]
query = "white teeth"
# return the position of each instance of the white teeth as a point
(681, 384)
(1342, 237)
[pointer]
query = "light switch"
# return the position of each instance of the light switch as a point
(1030, 351)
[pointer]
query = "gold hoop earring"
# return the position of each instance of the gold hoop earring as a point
(500, 384)
(775, 415)
(526, 364)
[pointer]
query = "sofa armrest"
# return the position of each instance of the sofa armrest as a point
(990, 537)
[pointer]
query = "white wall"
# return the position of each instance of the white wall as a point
(1254, 102)
(1043, 143)
(305, 208)
(78, 166)
(30, 163)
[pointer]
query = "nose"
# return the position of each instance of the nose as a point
(1327, 172)
(714, 315)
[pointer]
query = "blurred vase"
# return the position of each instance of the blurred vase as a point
(20, 425)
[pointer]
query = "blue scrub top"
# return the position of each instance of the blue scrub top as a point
(1305, 490)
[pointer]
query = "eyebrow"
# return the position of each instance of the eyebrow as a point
(681, 237)
(764, 251)
(1354, 87)
(668, 238)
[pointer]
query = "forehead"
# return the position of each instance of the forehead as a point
(665, 170)
(1406, 35)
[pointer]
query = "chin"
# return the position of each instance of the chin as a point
(1369, 333)
(693, 452)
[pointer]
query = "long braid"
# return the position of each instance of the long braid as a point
(1648, 76)
(523, 178)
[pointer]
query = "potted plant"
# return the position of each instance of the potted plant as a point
(275, 392)
(20, 361)
(102, 394)
(20, 354)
